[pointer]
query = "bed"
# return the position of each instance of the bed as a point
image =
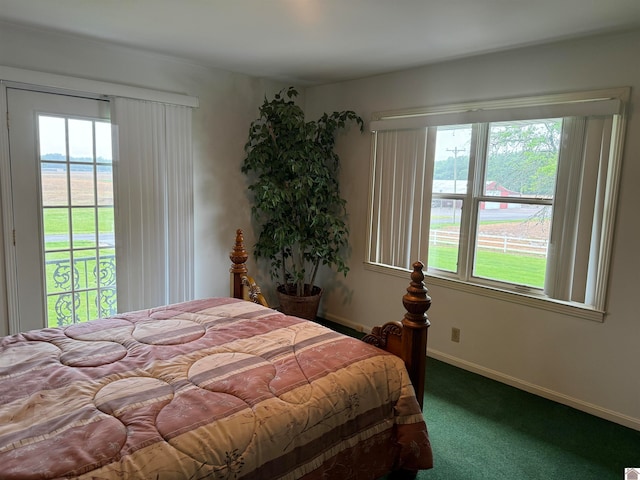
(220, 388)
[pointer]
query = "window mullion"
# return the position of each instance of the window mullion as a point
(469, 220)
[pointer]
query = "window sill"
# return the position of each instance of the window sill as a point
(557, 306)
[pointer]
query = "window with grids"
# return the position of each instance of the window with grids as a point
(515, 195)
(76, 175)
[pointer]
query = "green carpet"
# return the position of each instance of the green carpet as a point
(481, 429)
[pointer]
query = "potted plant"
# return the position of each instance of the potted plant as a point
(297, 206)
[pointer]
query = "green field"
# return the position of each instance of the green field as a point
(56, 222)
(512, 268)
(62, 305)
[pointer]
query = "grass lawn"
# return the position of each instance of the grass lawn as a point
(62, 305)
(512, 268)
(56, 221)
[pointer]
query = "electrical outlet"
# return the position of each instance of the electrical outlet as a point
(455, 335)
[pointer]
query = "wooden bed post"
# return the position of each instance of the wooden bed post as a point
(242, 285)
(408, 339)
(415, 325)
(238, 268)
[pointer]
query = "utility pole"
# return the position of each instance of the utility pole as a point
(455, 151)
(455, 160)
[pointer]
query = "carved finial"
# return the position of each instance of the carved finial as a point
(239, 255)
(417, 301)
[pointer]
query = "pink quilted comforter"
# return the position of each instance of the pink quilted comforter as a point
(216, 388)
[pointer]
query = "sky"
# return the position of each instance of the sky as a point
(450, 139)
(53, 138)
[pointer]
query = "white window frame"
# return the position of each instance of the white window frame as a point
(607, 102)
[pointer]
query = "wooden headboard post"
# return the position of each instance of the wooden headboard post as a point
(238, 269)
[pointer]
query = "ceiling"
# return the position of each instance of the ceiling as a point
(320, 41)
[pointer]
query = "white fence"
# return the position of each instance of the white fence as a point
(502, 243)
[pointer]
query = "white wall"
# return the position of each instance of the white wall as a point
(228, 104)
(583, 363)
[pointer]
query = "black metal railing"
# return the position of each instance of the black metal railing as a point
(73, 283)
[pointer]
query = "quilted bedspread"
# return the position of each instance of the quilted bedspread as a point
(215, 388)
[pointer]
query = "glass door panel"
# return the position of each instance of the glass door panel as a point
(78, 236)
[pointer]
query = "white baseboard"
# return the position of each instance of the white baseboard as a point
(343, 321)
(576, 403)
(536, 390)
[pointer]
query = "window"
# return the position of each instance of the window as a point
(76, 175)
(505, 197)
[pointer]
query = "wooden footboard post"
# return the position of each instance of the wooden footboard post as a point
(238, 268)
(414, 333)
(408, 339)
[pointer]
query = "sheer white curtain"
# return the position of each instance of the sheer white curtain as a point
(154, 203)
